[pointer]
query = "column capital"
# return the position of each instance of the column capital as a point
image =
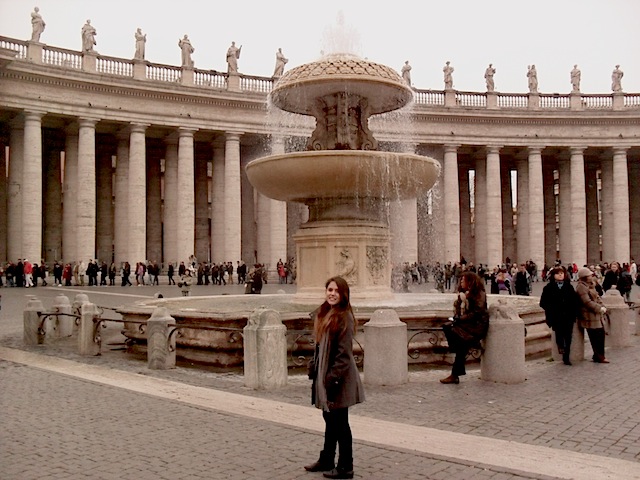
(33, 114)
(87, 122)
(493, 149)
(620, 151)
(451, 147)
(535, 150)
(138, 127)
(577, 150)
(233, 135)
(186, 132)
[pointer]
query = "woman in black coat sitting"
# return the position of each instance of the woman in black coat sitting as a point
(470, 322)
(558, 300)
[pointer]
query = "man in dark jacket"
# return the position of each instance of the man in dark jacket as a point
(559, 302)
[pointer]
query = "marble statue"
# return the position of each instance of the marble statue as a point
(575, 78)
(488, 75)
(141, 40)
(532, 75)
(281, 61)
(233, 54)
(448, 76)
(406, 72)
(616, 79)
(187, 50)
(37, 25)
(88, 37)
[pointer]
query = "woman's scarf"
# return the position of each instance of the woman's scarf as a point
(322, 365)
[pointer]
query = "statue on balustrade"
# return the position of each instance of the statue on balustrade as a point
(616, 79)
(488, 76)
(141, 40)
(448, 76)
(187, 49)
(88, 37)
(575, 78)
(37, 25)
(532, 75)
(406, 72)
(233, 54)
(281, 61)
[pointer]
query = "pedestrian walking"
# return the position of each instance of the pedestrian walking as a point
(558, 300)
(590, 313)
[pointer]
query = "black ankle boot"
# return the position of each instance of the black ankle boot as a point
(339, 473)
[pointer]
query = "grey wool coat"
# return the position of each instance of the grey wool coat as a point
(342, 380)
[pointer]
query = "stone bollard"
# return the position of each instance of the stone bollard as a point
(577, 345)
(88, 334)
(503, 360)
(161, 353)
(76, 309)
(31, 334)
(385, 337)
(618, 311)
(265, 350)
(64, 323)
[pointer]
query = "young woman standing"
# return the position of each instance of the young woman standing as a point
(336, 381)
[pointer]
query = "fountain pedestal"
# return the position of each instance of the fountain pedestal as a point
(358, 251)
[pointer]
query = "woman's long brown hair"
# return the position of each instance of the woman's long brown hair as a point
(474, 284)
(329, 319)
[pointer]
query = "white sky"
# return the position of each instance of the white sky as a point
(511, 34)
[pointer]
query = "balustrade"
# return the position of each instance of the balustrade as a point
(250, 83)
(597, 101)
(632, 100)
(513, 100)
(13, 44)
(429, 97)
(114, 66)
(555, 101)
(471, 99)
(61, 57)
(210, 78)
(163, 73)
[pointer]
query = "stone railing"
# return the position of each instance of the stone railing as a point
(38, 53)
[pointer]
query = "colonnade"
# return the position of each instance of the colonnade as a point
(130, 193)
(126, 197)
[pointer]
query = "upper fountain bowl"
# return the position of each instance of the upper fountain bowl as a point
(384, 89)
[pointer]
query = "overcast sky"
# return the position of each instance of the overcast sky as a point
(552, 34)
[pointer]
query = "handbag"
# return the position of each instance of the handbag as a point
(606, 323)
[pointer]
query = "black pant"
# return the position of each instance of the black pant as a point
(596, 337)
(564, 332)
(458, 346)
(338, 433)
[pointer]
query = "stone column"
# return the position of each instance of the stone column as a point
(634, 206)
(232, 198)
(121, 217)
(154, 207)
(536, 208)
(248, 219)
(278, 215)
(32, 187)
(202, 249)
(14, 192)
(52, 199)
(186, 192)
(480, 213)
(217, 205)
(578, 208)
(593, 224)
(86, 193)
(404, 231)
(3, 200)
(451, 204)
(263, 227)
(621, 249)
(606, 207)
(70, 196)
(104, 208)
(467, 248)
(522, 205)
(549, 218)
(494, 207)
(171, 201)
(564, 207)
(137, 208)
(508, 240)
(161, 345)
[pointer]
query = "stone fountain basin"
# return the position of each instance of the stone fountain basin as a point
(224, 316)
(305, 176)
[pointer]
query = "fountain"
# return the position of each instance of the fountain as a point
(346, 183)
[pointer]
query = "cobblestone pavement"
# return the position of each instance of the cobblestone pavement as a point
(57, 425)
